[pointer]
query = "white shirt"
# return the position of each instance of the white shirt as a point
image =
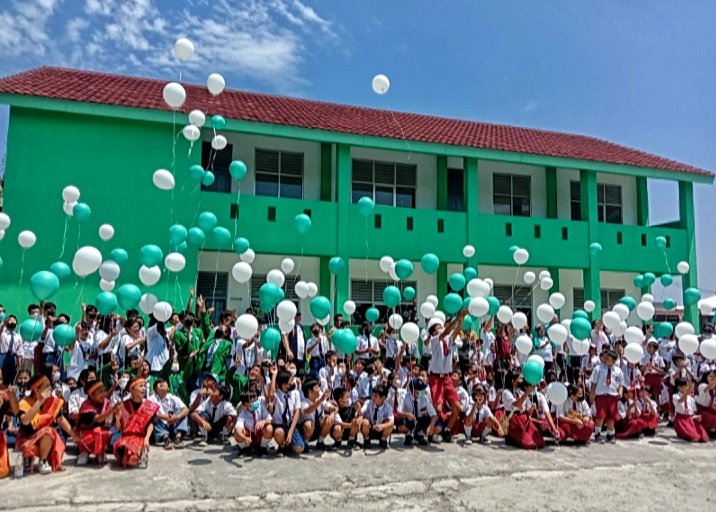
(77, 398)
(247, 419)
(545, 349)
(481, 414)
(705, 398)
(424, 406)
(321, 347)
(157, 350)
(314, 416)
(49, 346)
(169, 404)
(112, 346)
(392, 347)
(246, 353)
(509, 398)
(666, 347)
(599, 338)
(488, 338)
(28, 349)
(440, 363)
(688, 407)
(293, 399)
(367, 342)
(77, 361)
(581, 406)
(599, 377)
(329, 378)
(216, 411)
(465, 399)
(655, 360)
(10, 341)
(623, 408)
(377, 414)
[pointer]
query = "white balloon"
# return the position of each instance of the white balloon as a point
(218, 142)
(392, 274)
(2, 234)
(106, 286)
(558, 333)
(529, 277)
(468, 251)
(557, 300)
(286, 310)
(705, 308)
(688, 343)
(708, 349)
(162, 311)
(427, 309)
(4, 221)
(174, 95)
(633, 335)
(545, 313)
(440, 316)
(523, 344)
(622, 310)
(521, 256)
(248, 256)
(191, 133)
(183, 49)
(611, 320)
(349, 307)
(313, 290)
(163, 179)
(215, 83)
(242, 272)
(556, 393)
(620, 330)
(301, 289)
(538, 359)
(410, 332)
(27, 239)
(566, 323)
(683, 328)
(86, 261)
(519, 320)
(324, 321)
(109, 270)
(70, 194)
(395, 321)
(106, 232)
(478, 306)
(276, 277)
(633, 352)
(647, 297)
(149, 276)
(432, 299)
(478, 288)
(645, 311)
(580, 347)
(504, 314)
(197, 118)
(147, 303)
(546, 283)
(385, 263)
(589, 306)
(69, 208)
(380, 84)
(175, 262)
(287, 265)
(544, 274)
(286, 327)
(489, 282)
(247, 326)
(683, 267)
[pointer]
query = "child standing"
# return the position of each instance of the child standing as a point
(606, 386)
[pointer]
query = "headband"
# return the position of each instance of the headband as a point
(39, 383)
(136, 383)
(94, 387)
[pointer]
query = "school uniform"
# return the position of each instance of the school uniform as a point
(77, 398)
(599, 339)
(577, 409)
(439, 371)
(246, 352)
(706, 406)
(423, 410)
(170, 404)
(608, 380)
(318, 354)
(377, 415)
(652, 378)
(479, 420)
(77, 361)
(629, 424)
(369, 343)
(649, 416)
(684, 425)
(392, 348)
(666, 349)
(316, 417)
(675, 373)
(217, 415)
(285, 406)
(247, 420)
(522, 431)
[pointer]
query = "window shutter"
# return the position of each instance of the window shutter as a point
(521, 185)
(363, 171)
(522, 300)
(205, 284)
(575, 192)
(362, 292)
(405, 175)
(613, 194)
(501, 184)
(385, 173)
(266, 161)
(292, 163)
(578, 298)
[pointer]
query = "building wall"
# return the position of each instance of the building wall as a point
(628, 184)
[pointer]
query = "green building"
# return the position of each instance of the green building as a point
(438, 185)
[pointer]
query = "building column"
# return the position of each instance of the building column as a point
(590, 275)
(442, 281)
(472, 206)
(326, 185)
(442, 188)
(642, 201)
(687, 223)
(551, 173)
(343, 200)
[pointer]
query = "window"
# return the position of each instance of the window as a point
(279, 173)
(610, 298)
(387, 183)
(609, 202)
(258, 280)
(455, 187)
(214, 287)
(511, 194)
(521, 301)
(368, 294)
(217, 162)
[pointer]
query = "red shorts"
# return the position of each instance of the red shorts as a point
(442, 390)
(255, 437)
(607, 407)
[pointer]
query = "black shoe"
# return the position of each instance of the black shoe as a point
(383, 444)
(366, 444)
(611, 439)
(351, 443)
(408, 440)
(323, 446)
(260, 451)
(598, 437)
(447, 436)
(422, 440)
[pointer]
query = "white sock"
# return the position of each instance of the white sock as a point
(610, 432)
(265, 442)
(321, 439)
(468, 431)
(353, 438)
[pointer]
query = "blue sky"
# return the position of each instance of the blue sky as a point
(637, 73)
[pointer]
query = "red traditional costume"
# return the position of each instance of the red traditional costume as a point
(43, 424)
(135, 420)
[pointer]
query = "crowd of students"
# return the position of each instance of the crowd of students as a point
(122, 386)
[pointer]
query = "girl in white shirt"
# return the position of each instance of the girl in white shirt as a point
(479, 417)
(522, 431)
(687, 423)
(629, 424)
(706, 400)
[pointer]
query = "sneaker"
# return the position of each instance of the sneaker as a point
(483, 440)
(83, 459)
(422, 440)
(468, 441)
(408, 440)
(178, 442)
(201, 442)
(611, 439)
(351, 443)
(366, 444)
(447, 436)
(45, 468)
(383, 444)
(167, 443)
(436, 439)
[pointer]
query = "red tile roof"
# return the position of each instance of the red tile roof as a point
(92, 87)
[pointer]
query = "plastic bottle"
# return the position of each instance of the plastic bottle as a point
(19, 466)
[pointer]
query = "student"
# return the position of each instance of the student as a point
(317, 349)
(606, 384)
(286, 411)
(574, 417)
(687, 423)
(317, 414)
(522, 431)
(653, 367)
(679, 370)
(544, 421)
(96, 417)
(544, 349)
(253, 425)
(215, 416)
(629, 424)
(347, 421)
(331, 375)
(10, 348)
(136, 426)
(418, 415)
(706, 400)
(479, 417)
(378, 419)
(649, 412)
(171, 425)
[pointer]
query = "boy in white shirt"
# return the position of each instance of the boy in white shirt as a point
(215, 416)
(607, 382)
(378, 419)
(286, 411)
(419, 417)
(317, 414)
(170, 419)
(253, 425)
(347, 421)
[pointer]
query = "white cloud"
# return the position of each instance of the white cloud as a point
(75, 27)
(530, 107)
(24, 27)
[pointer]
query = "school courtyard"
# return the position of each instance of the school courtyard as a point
(649, 474)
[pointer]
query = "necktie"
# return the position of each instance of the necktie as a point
(574, 405)
(609, 376)
(370, 386)
(375, 414)
(446, 350)
(320, 347)
(415, 408)
(285, 410)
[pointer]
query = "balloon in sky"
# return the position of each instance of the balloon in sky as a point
(380, 84)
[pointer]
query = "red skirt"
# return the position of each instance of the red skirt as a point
(649, 421)
(30, 446)
(95, 441)
(523, 433)
(708, 417)
(628, 428)
(688, 429)
(579, 435)
(128, 450)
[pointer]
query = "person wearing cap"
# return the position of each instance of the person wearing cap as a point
(606, 385)
(418, 417)
(439, 372)
(136, 425)
(653, 367)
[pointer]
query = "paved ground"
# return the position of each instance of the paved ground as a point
(649, 474)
